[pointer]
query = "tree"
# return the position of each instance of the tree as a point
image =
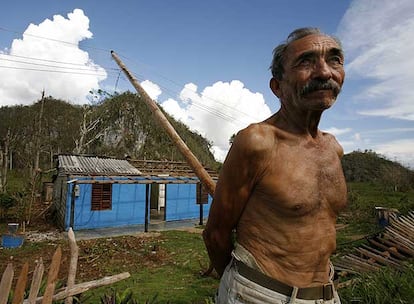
(88, 131)
(90, 128)
(4, 164)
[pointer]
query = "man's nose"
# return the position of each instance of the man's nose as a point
(322, 69)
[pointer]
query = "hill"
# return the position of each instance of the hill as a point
(122, 125)
(118, 126)
(369, 166)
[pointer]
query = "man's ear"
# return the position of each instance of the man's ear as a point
(275, 86)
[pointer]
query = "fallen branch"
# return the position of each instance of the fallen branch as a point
(82, 287)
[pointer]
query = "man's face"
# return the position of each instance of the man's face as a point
(313, 73)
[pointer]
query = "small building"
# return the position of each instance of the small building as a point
(94, 192)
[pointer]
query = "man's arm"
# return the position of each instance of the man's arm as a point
(238, 176)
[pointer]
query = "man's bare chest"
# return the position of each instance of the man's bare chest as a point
(298, 182)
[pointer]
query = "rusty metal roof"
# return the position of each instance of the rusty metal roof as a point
(91, 165)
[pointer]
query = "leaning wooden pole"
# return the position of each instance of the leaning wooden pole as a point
(194, 163)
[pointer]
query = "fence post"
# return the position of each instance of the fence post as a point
(21, 285)
(6, 283)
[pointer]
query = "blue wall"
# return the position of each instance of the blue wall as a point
(128, 207)
(181, 202)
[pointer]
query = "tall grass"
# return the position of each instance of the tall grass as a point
(386, 286)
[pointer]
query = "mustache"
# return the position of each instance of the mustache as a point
(318, 84)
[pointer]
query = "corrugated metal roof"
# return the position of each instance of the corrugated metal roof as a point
(73, 164)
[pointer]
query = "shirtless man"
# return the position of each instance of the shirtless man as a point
(281, 186)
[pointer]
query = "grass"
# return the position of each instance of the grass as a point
(360, 217)
(173, 276)
(386, 286)
(176, 281)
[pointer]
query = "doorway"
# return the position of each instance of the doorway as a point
(157, 203)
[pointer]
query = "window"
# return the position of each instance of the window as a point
(101, 197)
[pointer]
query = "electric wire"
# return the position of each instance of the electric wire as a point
(88, 68)
(49, 60)
(211, 110)
(80, 71)
(179, 85)
(52, 71)
(51, 39)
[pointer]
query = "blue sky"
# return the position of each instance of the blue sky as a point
(207, 62)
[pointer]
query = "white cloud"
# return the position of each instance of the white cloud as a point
(218, 112)
(336, 131)
(392, 130)
(152, 89)
(377, 37)
(402, 150)
(48, 58)
(347, 145)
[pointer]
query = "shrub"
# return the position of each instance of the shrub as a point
(6, 202)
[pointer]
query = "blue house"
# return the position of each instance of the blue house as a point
(92, 192)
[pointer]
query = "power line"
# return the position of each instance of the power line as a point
(49, 66)
(205, 96)
(209, 109)
(49, 60)
(53, 71)
(78, 71)
(52, 39)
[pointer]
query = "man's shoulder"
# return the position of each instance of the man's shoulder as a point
(263, 128)
(333, 142)
(257, 136)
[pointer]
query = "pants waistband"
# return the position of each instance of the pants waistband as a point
(325, 292)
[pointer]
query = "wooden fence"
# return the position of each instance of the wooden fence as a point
(50, 294)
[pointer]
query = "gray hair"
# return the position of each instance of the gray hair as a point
(279, 51)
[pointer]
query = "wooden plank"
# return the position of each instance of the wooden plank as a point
(401, 239)
(73, 265)
(361, 264)
(21, 285)
(36, 281)
(391, 233)
(370, 265)
(400, 247)
(391, 250)
(83, 287)
(6, 283)
(384, 254)
(376, 257)
(403, 228)
(406, 227)
(52, 277)
(158, 115)
(343, 266)
(409, 221)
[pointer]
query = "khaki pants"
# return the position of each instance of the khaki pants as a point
(236, 289)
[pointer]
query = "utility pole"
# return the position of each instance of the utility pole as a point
(39, 134)
(192, 160)
(36, 168)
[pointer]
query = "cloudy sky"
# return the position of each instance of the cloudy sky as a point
(206, 62)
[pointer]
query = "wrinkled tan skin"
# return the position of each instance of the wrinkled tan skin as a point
(281, 186)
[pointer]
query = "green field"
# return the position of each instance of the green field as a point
(166, 268)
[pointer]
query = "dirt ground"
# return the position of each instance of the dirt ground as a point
(97, 257)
